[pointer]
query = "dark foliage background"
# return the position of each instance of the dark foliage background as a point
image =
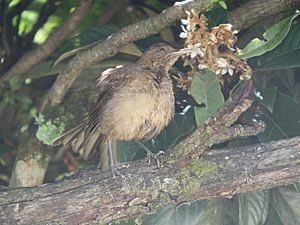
(25, 25)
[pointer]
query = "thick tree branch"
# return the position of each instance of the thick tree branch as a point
(61, 34)
(253, 11)
(217, 127)
(92, 196)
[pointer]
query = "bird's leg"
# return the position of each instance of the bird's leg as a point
(151, 155)
(114, 168)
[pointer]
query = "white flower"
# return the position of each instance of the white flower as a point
(196, 50)
(258, 95)
(228, 26)
(184, 21)
(224, 67)
(183, 34)
(202, 66)
(213, 37)
(188, 13)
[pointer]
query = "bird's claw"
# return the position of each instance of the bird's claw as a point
(151, 156)
(115, 170)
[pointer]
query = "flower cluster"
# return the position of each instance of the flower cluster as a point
(205, 45)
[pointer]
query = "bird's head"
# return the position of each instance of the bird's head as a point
(161, 56)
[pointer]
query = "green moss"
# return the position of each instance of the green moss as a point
(42, 159)
(48, 130)
(197, 169)
(220, 3)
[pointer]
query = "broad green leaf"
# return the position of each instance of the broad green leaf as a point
(216, 16)
(220, 212)
(269, 97)
(216, 212)
(286, 203)
(130, 49)
(72, 53)
(221, 3)
(266, 95)
(23, 98)
(297, 186)
(15, 83)
(284, 56)
(273, 37)
(284, 121)
(90, 38)
(273, 218)
(206, 89)
(178, 215)
(253, 207)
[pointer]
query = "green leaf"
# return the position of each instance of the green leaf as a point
(267, 96)
(284, 121)
(206, 89)
(177, 215)
(286, 203)
(216, 212)
(253, 207)
(84, 40)
(221, 3)
(219, 212)
(273, 218)
(284, 56)
(90, 38)
(15, 83)
(297, 186)
(216, 16)
(26, 101)
(23, 98)
(273, 37)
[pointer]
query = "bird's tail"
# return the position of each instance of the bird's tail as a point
(81, 142)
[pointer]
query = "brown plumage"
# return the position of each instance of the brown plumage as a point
(136, 102)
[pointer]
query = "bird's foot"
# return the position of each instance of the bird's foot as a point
(151, 156)
(116, 170)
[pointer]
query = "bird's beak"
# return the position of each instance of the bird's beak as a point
(182, 51)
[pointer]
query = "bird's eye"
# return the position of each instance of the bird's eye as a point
(162, 50)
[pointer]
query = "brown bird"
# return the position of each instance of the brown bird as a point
(136, 102)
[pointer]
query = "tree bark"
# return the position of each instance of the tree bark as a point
(93, 197)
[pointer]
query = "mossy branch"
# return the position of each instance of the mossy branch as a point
(94, 197)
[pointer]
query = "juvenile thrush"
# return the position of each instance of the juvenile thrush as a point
(136, 102)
